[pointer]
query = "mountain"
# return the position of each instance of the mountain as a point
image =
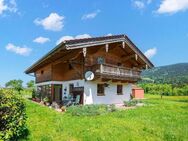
(173, 74)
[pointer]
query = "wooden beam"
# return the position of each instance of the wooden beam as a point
(133, 56)
(106, 47)
(146, 66)
(123, 44)
(105, 80)
(65, 57)
(136, 57)
(124, 59)
(84, 51)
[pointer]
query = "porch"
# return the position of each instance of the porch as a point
(57, 94)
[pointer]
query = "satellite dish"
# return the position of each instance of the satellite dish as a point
(89, 75)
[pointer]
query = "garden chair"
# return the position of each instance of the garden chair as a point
(77, 100)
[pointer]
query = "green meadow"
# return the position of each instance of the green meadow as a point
(159, 120)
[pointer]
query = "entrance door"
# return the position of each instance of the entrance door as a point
(57, 93)
(78, 91)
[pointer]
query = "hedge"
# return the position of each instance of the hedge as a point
(12, 116)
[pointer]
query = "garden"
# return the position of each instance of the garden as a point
(157, 119)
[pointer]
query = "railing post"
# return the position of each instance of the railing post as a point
(101, 68)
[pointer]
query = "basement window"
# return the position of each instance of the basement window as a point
(100, 90)
(119, 89)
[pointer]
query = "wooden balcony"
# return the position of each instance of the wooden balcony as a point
(43, 78)
(114, 72)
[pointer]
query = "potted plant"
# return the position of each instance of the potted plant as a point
(46, 101)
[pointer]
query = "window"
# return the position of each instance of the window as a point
(42, 72)
(100, 89)
(71, 87)
(100, 60)
(119, 90)
(70, 67)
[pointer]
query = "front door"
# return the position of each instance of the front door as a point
(78, 91)
(57, 93)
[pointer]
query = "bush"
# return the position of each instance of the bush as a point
(131, 102)
(12, 116)
(165, 89)
(90, 110)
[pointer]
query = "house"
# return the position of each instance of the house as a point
(99, 70)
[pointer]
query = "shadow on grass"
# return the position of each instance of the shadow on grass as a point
(181, 100)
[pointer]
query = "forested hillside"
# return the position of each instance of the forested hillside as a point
(172, 74)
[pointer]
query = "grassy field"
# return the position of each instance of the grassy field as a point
(165, 119)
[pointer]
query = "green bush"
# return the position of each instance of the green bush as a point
(90, 110)
(132, 102)
(12, 116)
(165, 89)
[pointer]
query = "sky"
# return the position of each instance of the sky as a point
(30, 29)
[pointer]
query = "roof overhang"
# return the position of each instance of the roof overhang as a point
(90, 42)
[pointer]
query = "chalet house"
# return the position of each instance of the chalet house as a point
(99, 70)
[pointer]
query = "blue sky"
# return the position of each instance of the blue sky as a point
(29, 29)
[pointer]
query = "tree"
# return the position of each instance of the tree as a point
(30, 84)
(15, 84)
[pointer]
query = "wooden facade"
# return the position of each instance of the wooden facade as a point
(117, 63)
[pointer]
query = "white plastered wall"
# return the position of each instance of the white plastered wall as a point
(110, 97)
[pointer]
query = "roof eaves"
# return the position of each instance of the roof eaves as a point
(93, 43)
(46, 56)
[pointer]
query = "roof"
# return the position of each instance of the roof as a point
(135, 87)
(90, 42)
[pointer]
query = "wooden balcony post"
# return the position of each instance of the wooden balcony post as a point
(101, 68)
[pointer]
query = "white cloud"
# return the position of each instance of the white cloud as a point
(82, 36)
(109, 34)
(53, 22)
(3, 7)
(172, 6)
(90, 15)
(139, 4)
(11, 6)
(25, 51)
(65, 38)
(150, 52)
(41, 40)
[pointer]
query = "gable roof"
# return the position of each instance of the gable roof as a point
(90, 42)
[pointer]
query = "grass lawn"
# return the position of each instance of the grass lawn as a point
(165, 119)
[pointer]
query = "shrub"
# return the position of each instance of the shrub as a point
(90, 110)
(132, 102)
(12, 116)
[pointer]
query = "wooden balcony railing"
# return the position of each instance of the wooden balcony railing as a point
(117, 72)
(43, 78)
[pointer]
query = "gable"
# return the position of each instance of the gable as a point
(121, 41)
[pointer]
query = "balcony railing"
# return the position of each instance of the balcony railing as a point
(117, 72)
